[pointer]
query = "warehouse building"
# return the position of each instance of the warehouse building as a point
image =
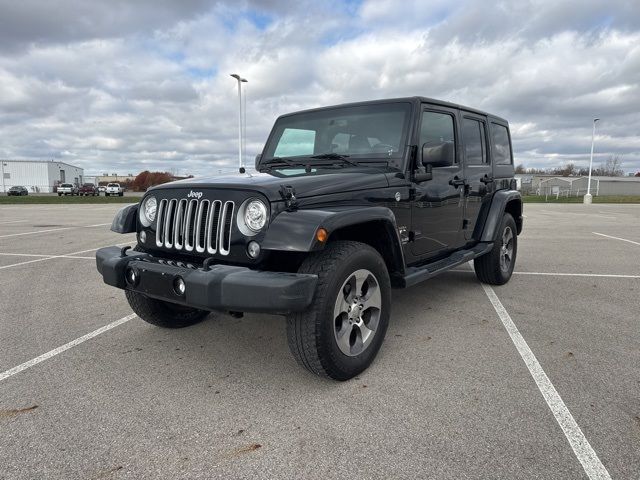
(600, 186)
(38, 176)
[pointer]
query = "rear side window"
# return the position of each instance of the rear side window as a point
(501, 145)
(474, 141)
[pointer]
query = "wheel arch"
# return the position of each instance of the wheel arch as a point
(509, 201)
(374, 226)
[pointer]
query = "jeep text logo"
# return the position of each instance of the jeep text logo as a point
(193, 194)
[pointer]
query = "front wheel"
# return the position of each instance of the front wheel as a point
(340, 334)
(163, 314)
(496, 267)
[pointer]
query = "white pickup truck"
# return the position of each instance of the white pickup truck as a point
(114, 189)
(67, 189)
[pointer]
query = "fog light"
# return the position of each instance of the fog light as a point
(131, 276)
(143, 236)
(253, 249)
(179, 286)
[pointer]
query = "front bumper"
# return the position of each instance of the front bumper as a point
(223, 287)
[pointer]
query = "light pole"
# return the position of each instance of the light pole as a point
(240, 81)
(588, 198)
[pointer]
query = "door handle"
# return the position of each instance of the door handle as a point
(456, 182)
(486, 179)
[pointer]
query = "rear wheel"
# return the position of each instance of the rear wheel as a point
(496, 267)
(340, 334)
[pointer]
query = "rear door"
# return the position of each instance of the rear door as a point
(477, 168)
(437, 207)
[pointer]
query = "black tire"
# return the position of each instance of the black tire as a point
(488, 267)
(311, 335)
(163, 314)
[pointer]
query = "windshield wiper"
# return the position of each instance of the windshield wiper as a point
(335, 156)
(282, 160)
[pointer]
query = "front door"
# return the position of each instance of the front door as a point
(477, 169)
(437, 209)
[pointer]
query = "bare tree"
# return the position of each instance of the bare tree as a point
(612, 167)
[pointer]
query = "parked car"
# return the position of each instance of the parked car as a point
(89, 189)
(18, 190)
(114, 189)
(102, 189)
(349, 202)
(67, 189)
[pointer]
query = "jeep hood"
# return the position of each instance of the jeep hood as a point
(322, 182)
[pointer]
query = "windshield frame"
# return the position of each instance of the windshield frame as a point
(396, 161)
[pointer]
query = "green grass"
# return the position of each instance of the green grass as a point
(599, 199)
(40, 199)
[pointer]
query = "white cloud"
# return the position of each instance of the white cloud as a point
(148, 87)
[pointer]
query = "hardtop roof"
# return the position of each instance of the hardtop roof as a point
(415, 99)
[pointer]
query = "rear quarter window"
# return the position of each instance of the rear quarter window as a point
(501, 144)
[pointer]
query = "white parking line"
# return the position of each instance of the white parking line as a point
(592, 465)
(562, 274)
(616, 238)
(53, 230)
(52, 353)
(41, 256)
(66, 255)
(13, 221)
(603, 275)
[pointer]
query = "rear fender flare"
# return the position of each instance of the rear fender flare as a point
(502, 201)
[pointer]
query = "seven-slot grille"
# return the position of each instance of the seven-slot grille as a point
(195, 225)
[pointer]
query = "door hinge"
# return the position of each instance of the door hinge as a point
(465, 223)
(288, 194)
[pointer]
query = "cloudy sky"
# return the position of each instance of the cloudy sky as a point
(122, 86)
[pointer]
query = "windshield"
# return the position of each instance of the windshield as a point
(372, 132)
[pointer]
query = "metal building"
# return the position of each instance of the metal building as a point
(38, 176)
(577, 186)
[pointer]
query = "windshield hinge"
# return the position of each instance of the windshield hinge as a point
(288, 194)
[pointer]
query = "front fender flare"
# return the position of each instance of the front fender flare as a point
(295, 231)
(125, 220)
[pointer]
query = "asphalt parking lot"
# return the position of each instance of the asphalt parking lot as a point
(539, 378)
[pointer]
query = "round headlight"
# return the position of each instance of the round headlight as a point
(255, 215)
(148, 211)
(252, 216)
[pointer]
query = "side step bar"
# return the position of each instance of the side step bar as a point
(418, 274)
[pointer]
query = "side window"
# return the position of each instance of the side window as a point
(501, 145)
(437, 139)
(295, 141)
(474, 141)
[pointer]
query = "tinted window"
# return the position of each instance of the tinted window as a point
(437, 132)
(474, 141)
(295, 141)
(66, 185)
(500, 144)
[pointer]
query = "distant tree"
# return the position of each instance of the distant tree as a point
(612, 166)
(520, 169)
(637, 174)
(147, 179)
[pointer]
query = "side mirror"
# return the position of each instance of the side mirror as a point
(439, 155)
(257, 162)
(422, 174)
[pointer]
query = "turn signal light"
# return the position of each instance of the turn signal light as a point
(322, 235)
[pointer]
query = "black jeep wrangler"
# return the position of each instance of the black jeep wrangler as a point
(348, 202)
